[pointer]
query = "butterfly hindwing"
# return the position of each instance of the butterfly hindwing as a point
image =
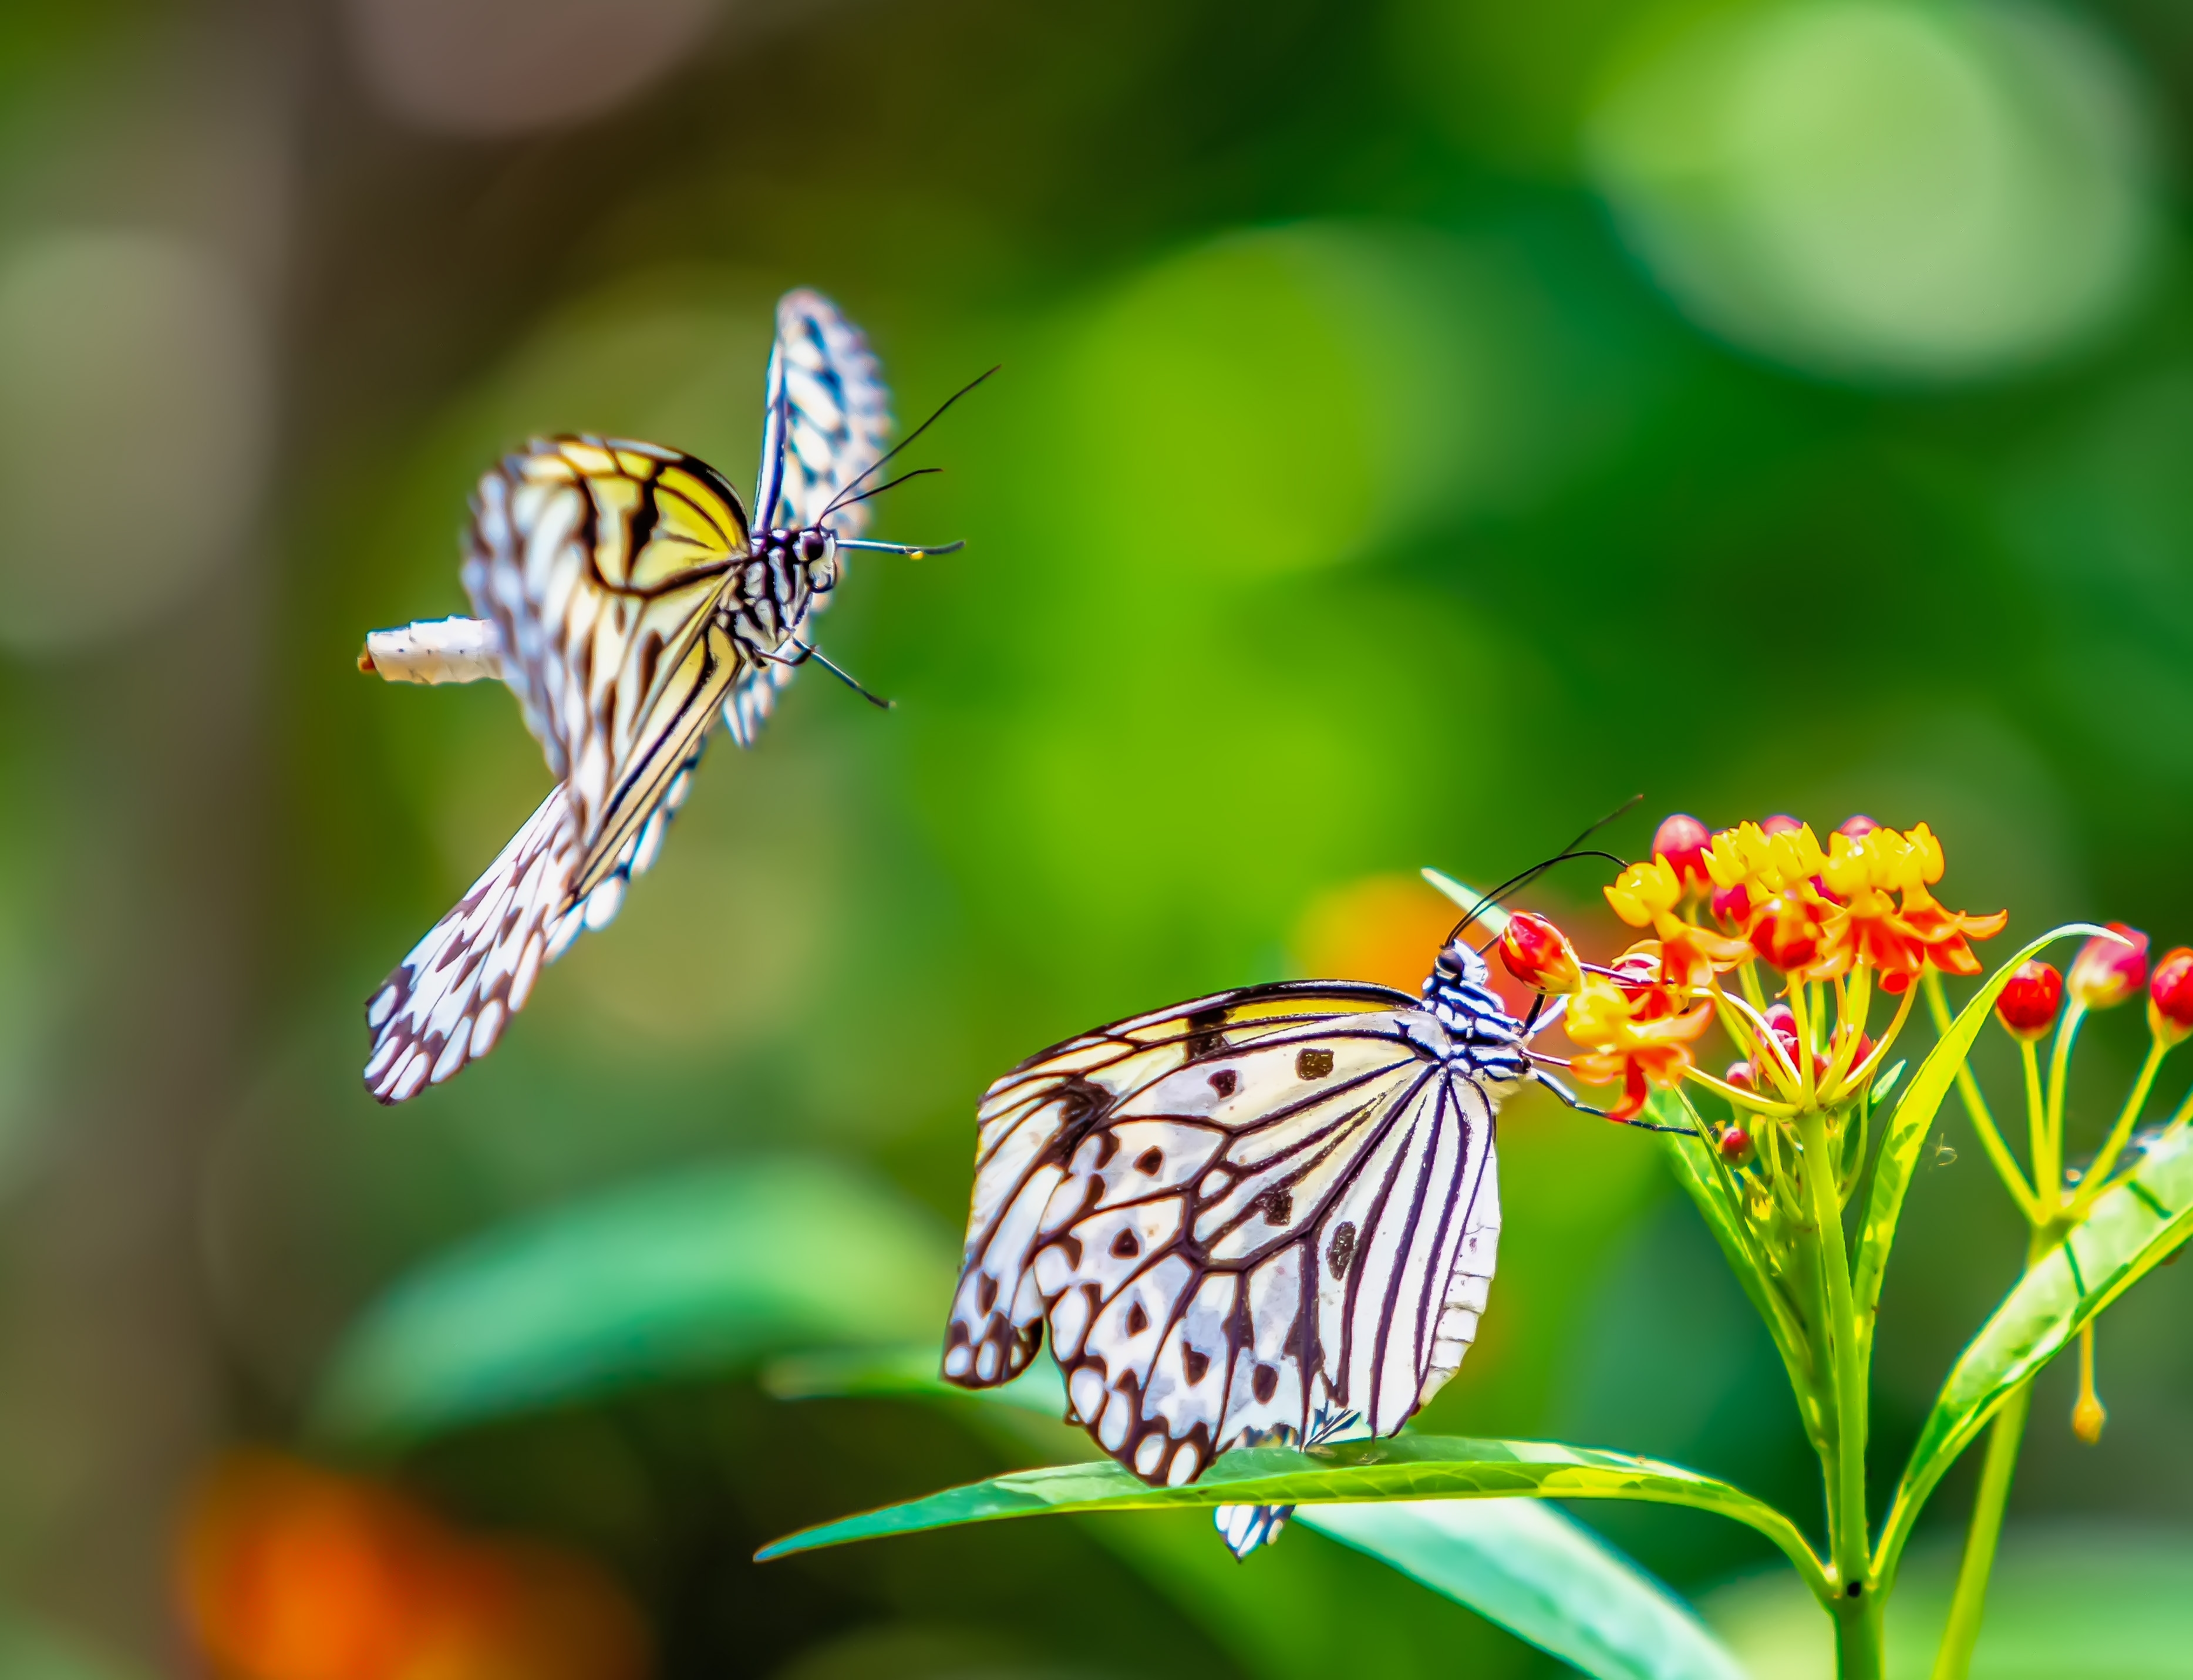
(448, 1001)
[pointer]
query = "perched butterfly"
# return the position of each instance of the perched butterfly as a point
(626, 600)
(1268, 1215)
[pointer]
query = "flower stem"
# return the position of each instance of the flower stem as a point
(1846, 1521)
(2047, 1176)
(1976, 1109)
(2048, 1184)
(2005, 1436)
(2098, 1175)
(1858, 1652)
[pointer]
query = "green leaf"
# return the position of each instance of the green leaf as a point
(2131, 1229)
(1542, 1575)
(1898, 1157)
(1526, 1565)
(1493, 918)
(704, 1272)
(1409, 1467)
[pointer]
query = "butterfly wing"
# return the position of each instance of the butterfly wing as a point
(828, 418)
(1232, 1216)
(447, 1002)
(1034, 1118)
(600, 563)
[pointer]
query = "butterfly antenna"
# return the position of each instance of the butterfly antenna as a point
(1622, 810)
(1518, 882)
(1563, 856)
(918, 472)
(838, 500)
(823, 659)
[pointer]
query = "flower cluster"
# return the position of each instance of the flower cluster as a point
(1760, 895)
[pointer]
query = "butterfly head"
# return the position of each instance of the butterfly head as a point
(816, 549)
(1459, 992)
(1457, 965)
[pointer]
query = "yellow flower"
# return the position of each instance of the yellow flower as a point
(1648, 895)
(1645, 892)
(1633, 1035)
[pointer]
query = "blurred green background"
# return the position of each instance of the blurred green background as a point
(1423, 424)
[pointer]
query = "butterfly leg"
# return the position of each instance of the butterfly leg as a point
(1577, 1103)
(823, 659)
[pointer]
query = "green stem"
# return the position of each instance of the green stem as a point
(1976, 1109)
(1858, 1652)
(2098, 1175)
(2048, 1179)
(1955, 1657)
(2048, 1185)
(1847, 1522)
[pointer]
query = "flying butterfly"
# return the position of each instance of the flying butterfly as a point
(1268, 1216)
(623, 596)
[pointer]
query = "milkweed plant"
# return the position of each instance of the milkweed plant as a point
(1824, 966)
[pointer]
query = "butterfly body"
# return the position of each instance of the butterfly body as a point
(627, 600)
(1244, 1216)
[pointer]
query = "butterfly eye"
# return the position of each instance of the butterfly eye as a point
(813, 546)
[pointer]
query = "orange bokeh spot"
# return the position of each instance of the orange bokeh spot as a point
(292, 1572)
(1386, 928)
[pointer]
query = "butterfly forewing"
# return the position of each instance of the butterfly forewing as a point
(1032, 1120)
(600, 562)
(1233, 1216)
(827, 419)
(826, 393)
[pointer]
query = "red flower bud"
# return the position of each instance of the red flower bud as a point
(1780, 824)
(2170, 996)
(1739, 1076)
(2106, 973)
(1732, 905)
(1538, 954)
(1735, 1144)
(1682, 841)
(1858, 827)
(1787, 932)
(2028, 1005)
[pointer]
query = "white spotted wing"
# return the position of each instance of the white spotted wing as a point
(632, 607)
(1233, 1217)
(600, 562)
(825, 425)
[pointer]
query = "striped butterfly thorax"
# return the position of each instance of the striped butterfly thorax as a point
(1269, 1215)
(623, 595)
